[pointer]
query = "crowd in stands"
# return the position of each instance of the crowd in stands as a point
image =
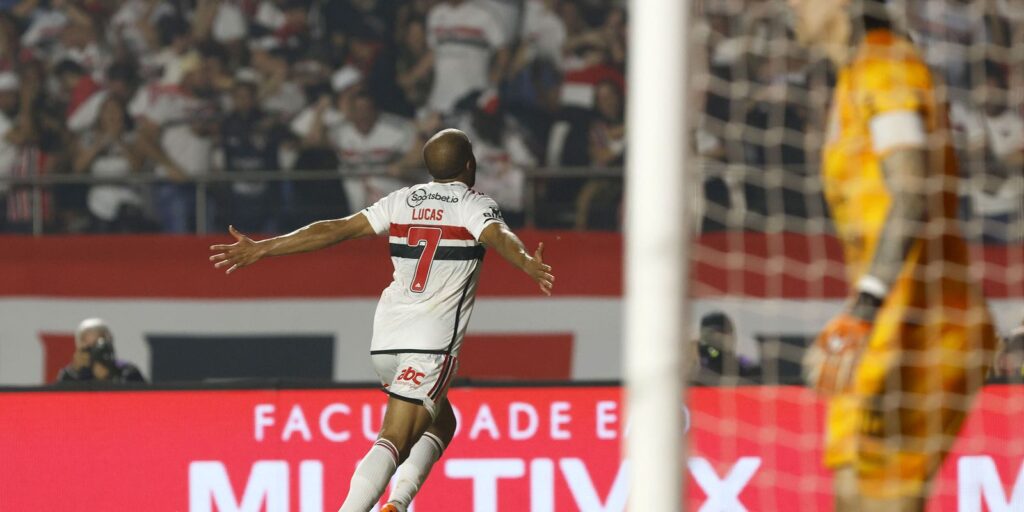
(185, 89)
(765, 101)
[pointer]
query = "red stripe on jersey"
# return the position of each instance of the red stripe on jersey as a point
(447, 232)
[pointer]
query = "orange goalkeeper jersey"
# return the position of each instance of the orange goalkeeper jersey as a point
(888, 76)
(933, 330)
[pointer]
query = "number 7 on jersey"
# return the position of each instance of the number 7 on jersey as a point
(429, 238)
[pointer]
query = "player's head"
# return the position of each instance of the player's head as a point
(832, 22)
(449, 157)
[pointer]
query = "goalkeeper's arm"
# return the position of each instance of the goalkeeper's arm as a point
(830, 363)
(905, 167)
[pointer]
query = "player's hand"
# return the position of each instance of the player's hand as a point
(539, 271)
(830, 362)
(242, 253)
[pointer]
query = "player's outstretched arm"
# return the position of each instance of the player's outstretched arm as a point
(325, 233)
(510, 247)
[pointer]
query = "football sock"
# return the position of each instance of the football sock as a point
(371, 477)
(415, 470)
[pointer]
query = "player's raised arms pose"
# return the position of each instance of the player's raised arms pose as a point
(438, 232)
(901, 364)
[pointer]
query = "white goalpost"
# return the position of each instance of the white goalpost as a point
(656, 251)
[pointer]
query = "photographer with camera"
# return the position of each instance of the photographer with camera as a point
(94, 359)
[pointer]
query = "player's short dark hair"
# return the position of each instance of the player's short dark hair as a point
(447, 154)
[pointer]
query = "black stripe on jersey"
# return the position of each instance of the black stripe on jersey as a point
(477, 43)
(475, 252)
(407, 351)
(458, 309)
(446, 369)
(416, 401)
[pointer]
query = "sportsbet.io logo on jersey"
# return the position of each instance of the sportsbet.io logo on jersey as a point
(419, 195)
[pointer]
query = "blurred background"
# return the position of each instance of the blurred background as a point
(152, 116)
(133, 132)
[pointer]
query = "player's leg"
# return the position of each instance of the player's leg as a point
(414, 471)
(924, 401)
(404, 423)
(901, 504)
(840, 451)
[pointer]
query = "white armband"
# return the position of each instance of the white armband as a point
(898, 129)
(872, 286)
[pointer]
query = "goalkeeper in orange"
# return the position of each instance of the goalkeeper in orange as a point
(901, 364)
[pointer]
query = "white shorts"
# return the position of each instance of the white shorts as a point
(422, 379)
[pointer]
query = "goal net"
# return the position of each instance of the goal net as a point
(769, 266)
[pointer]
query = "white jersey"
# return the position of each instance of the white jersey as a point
(464, 38)
(388, 141)
(434, 232)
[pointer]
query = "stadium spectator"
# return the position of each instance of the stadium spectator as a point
(534, 77)
(75, 83)
(545, 60)
(121, 82)
(176, 127)
(33, 138)
(366, 16)
(996, 187)
(598, 202)
(542, 37)
(414, 64)
(249, 140)
(279, 94)
(718, 362)
(79, 43)
(111, 150)
(132, 29)
(229, 26)
(502, 153)
(469, 49)
(313, 129)
(215, 63)
(1009, 362)
(94, 359)
(945, 30)
(509, 14)
(9, 100)
(375, 141)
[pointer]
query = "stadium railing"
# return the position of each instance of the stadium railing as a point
(204, 183)
(726, 196)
